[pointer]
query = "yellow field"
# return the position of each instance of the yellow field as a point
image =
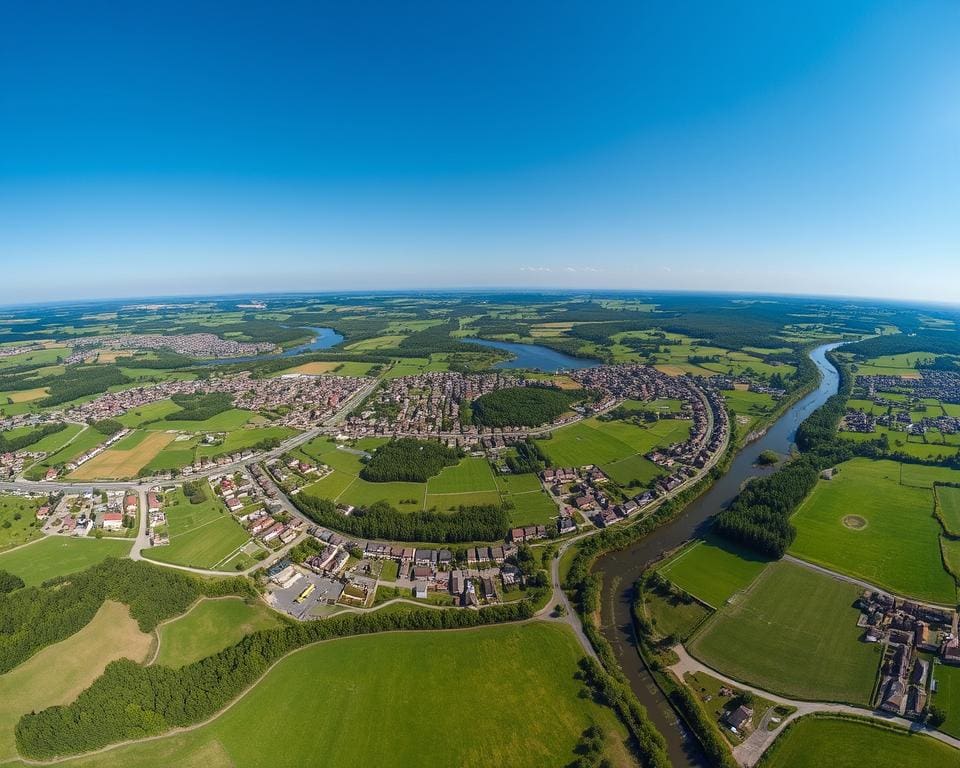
(27, 395)
(314, 369)
(377, 342)
(108, 355)
(58, 673)
(672, 369)
(113, 464)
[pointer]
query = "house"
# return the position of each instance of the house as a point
(421, 572)
(51, 474)
(489, 591)
(130, 504)
(112, 521)
(420, 589)
(893, 697)
(739, 717)
(234, 504)
(153, 503)
(43, 513)
(287, 577)
(425, 557)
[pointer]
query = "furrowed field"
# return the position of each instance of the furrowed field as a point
(125, 459)
(865, 523)
(374, 700)
(794, 632)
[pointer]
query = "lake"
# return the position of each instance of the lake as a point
(535, 357)
(325, 339)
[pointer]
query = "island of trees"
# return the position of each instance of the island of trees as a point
(408, 460)
(521, 406)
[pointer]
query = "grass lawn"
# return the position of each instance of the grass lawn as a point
(815, 742)
(923, 476)
(210, 626)
(898, 548)
(331, 486)
(84, 441)
(390, 570)
(713, 570)
(450, 502)
(59, 672)
(604, 442)
(406, 497)
(18, 521)
(633, 468)
(240, 439)
(947, 696)
(518, 483)
(59, 556)
(148, 413)
(201, 535)
(382, 705)
(53, 443)
(670, 615)
(793, 632)
(530, 508)
(470, 475)
(949, 500)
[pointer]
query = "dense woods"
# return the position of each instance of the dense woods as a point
(200, 407)
(381, 521)
(79, 381)
(107, 426)
(32, 618)
(409, 460)
(521, 406)
(13, 444)
(529, 458)
(130, 701)
(935, 342)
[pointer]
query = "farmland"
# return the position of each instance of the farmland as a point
(947, 696)
(815, 742)
(712, 570)
(119, 463)
(793, 632)
(535, 722)
(949, 504)
(209, 627)
(898, 548)
(201, 535)
(59, 556)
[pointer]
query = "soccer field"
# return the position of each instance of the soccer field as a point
(793, 632)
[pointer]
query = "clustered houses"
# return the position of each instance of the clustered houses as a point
(582, 488)
(13, 351)
(907, 628)
(83, 458)
(309, 398)
(242, 499)
(748, 383)
(77, 514)
(293, 473)
(901, 414)
(205, 345)
(156, 520)
(12, 464)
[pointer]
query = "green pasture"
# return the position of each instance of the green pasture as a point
(713, 570)
(59, 556)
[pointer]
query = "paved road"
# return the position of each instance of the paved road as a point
(750, 751)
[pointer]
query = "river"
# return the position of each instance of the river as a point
(621, 569)
(535, 357)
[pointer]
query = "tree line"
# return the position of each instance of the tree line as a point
(130, 701)
(79, 381)
(409, 460)
(529, 458)
(13, 444)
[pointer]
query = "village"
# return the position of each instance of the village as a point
(197, 345)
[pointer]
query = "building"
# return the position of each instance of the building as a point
(420, 589)
(112, 521)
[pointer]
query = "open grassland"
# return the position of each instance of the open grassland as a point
(59, 556)
(922, 476)
(209, 627)
(950, 549)
(817, 742)
(898, 548)
(228, 420)
(749, 407)
(794, 632)
(470, 475)
(148, 413)
(712, 570)
(530, 508)
(241, 439)
(119, 464)
(201, 535)
(56, 441)
(18, 521)
(603, 442)
(947, 696)
(59, 672)
(381, 704)
(389, 341)
(83, 442)
(948, 500)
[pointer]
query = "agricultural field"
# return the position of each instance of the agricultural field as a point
(83, 441)
(120, 462)
(866, 524)
(592, 441)
(148, 413)
(536, 721)
(18, 520)
(948, 500)
(816, 742)
(470, 475)
(713, 570)
(793, 632)
(947, 696)
(227, 421)
(202, 535)
(749, 407)
(59, 556)
(241, 439)
(210, 626)
(59, 672)
(334, 367)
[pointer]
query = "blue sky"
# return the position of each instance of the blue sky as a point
(808, 147)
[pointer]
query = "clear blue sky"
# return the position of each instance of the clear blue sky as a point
(809, 147)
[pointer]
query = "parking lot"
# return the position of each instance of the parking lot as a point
(326, 592)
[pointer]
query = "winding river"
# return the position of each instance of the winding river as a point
(621, 569)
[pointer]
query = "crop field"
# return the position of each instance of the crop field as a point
(921, 476)
(530, 508)
(338, 368)
(240, 439)
(536, 722)
(175, 455)
(201, 535)
(227, 421)
(56, 441)
(210, 626)
(949, 501)
(116, 463)
(470, 475)
(377, 342)
(18, 521)
(59, 556)
(815, 742)
(59, 672)
(27, 395)
(897, 547)
(713, 570)
(947, 696)
(793, 632)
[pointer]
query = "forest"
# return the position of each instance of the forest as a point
(409, 460)
(521, 406)
(200, 407)
(12, 444)
(79, 381)
(936, 342)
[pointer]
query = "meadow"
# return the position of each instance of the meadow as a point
(749, 407)
(897, 548)
(201, 535)
(947, 696)
(208, 627)
(375, 691)
(18, 521)
(815, 742)
(793, 632)
(241, 439)
(83, 441)
(59, 556)
(712, 570)
(59, 672)
(948, 500)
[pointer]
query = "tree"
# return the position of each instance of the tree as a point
(936, 716)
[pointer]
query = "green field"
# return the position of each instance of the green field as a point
(603, 442)
(949, 501)
(712, 570)
(470, 475)
(84, 441)
(750, 407)
(793, 632)
(421, 715)
(227, 421)
(209, 627)
(18, 520)
(240, 439)
(947, 696)
(817, 742)
(53, 443)
(897, 549)
(59, 556)
(202, 535)
(148, 413)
